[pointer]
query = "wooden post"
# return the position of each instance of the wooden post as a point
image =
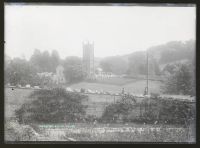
(140, 110)
(147, 74)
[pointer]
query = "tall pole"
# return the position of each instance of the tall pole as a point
(147, 73)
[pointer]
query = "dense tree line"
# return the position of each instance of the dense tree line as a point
(158, 56)
(138, 64)
(44, 61)
(174, 51)
(116, 65)
(135, 64)
(19, 71)
(22, 71)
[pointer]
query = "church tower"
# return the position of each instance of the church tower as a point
(88, 59)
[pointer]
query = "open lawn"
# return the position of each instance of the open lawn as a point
(131, 86)
(14, 99)
(116, 81)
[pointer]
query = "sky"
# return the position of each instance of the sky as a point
(115, 30)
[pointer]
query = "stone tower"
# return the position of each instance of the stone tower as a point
(88, 59)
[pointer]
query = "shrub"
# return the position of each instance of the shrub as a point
(151, 110)
(52, 106)
(18, 132)
(168, 111)
(91, 118)
(177, 112)
(119, 110)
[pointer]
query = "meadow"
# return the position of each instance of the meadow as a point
(13, 99)
(115, 85)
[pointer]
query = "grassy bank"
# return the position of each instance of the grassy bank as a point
(109, 132)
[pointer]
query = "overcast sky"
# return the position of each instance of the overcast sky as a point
(115, 30)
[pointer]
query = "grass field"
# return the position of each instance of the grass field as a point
(14, 99)
(115, 81)
(115, 85)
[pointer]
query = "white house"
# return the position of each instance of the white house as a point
(59, 77)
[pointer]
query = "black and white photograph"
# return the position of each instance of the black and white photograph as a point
(107, 72)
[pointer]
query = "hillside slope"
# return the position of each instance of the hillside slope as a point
(159, 56)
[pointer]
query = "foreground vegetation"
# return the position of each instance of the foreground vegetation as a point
(52, 106)
(99, 132)
(36, 114)
(151, 110)
(132, 134)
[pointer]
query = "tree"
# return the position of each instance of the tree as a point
(106, 66)
(44, 61)
(181, 81)
(7, 60)
(171, 68)
(137, 63)
(175, 51)
(55, 60)
(36, 59)
(115, 65)
(19, 71)
(52, 106)
(73, 69)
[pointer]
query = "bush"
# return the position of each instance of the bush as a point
(119, 110)
(151, 110)
(177, 112)
(18, 132)
(91, 118)
(52, 106)
(168, 111)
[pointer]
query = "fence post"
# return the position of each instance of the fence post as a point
(140, 111)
